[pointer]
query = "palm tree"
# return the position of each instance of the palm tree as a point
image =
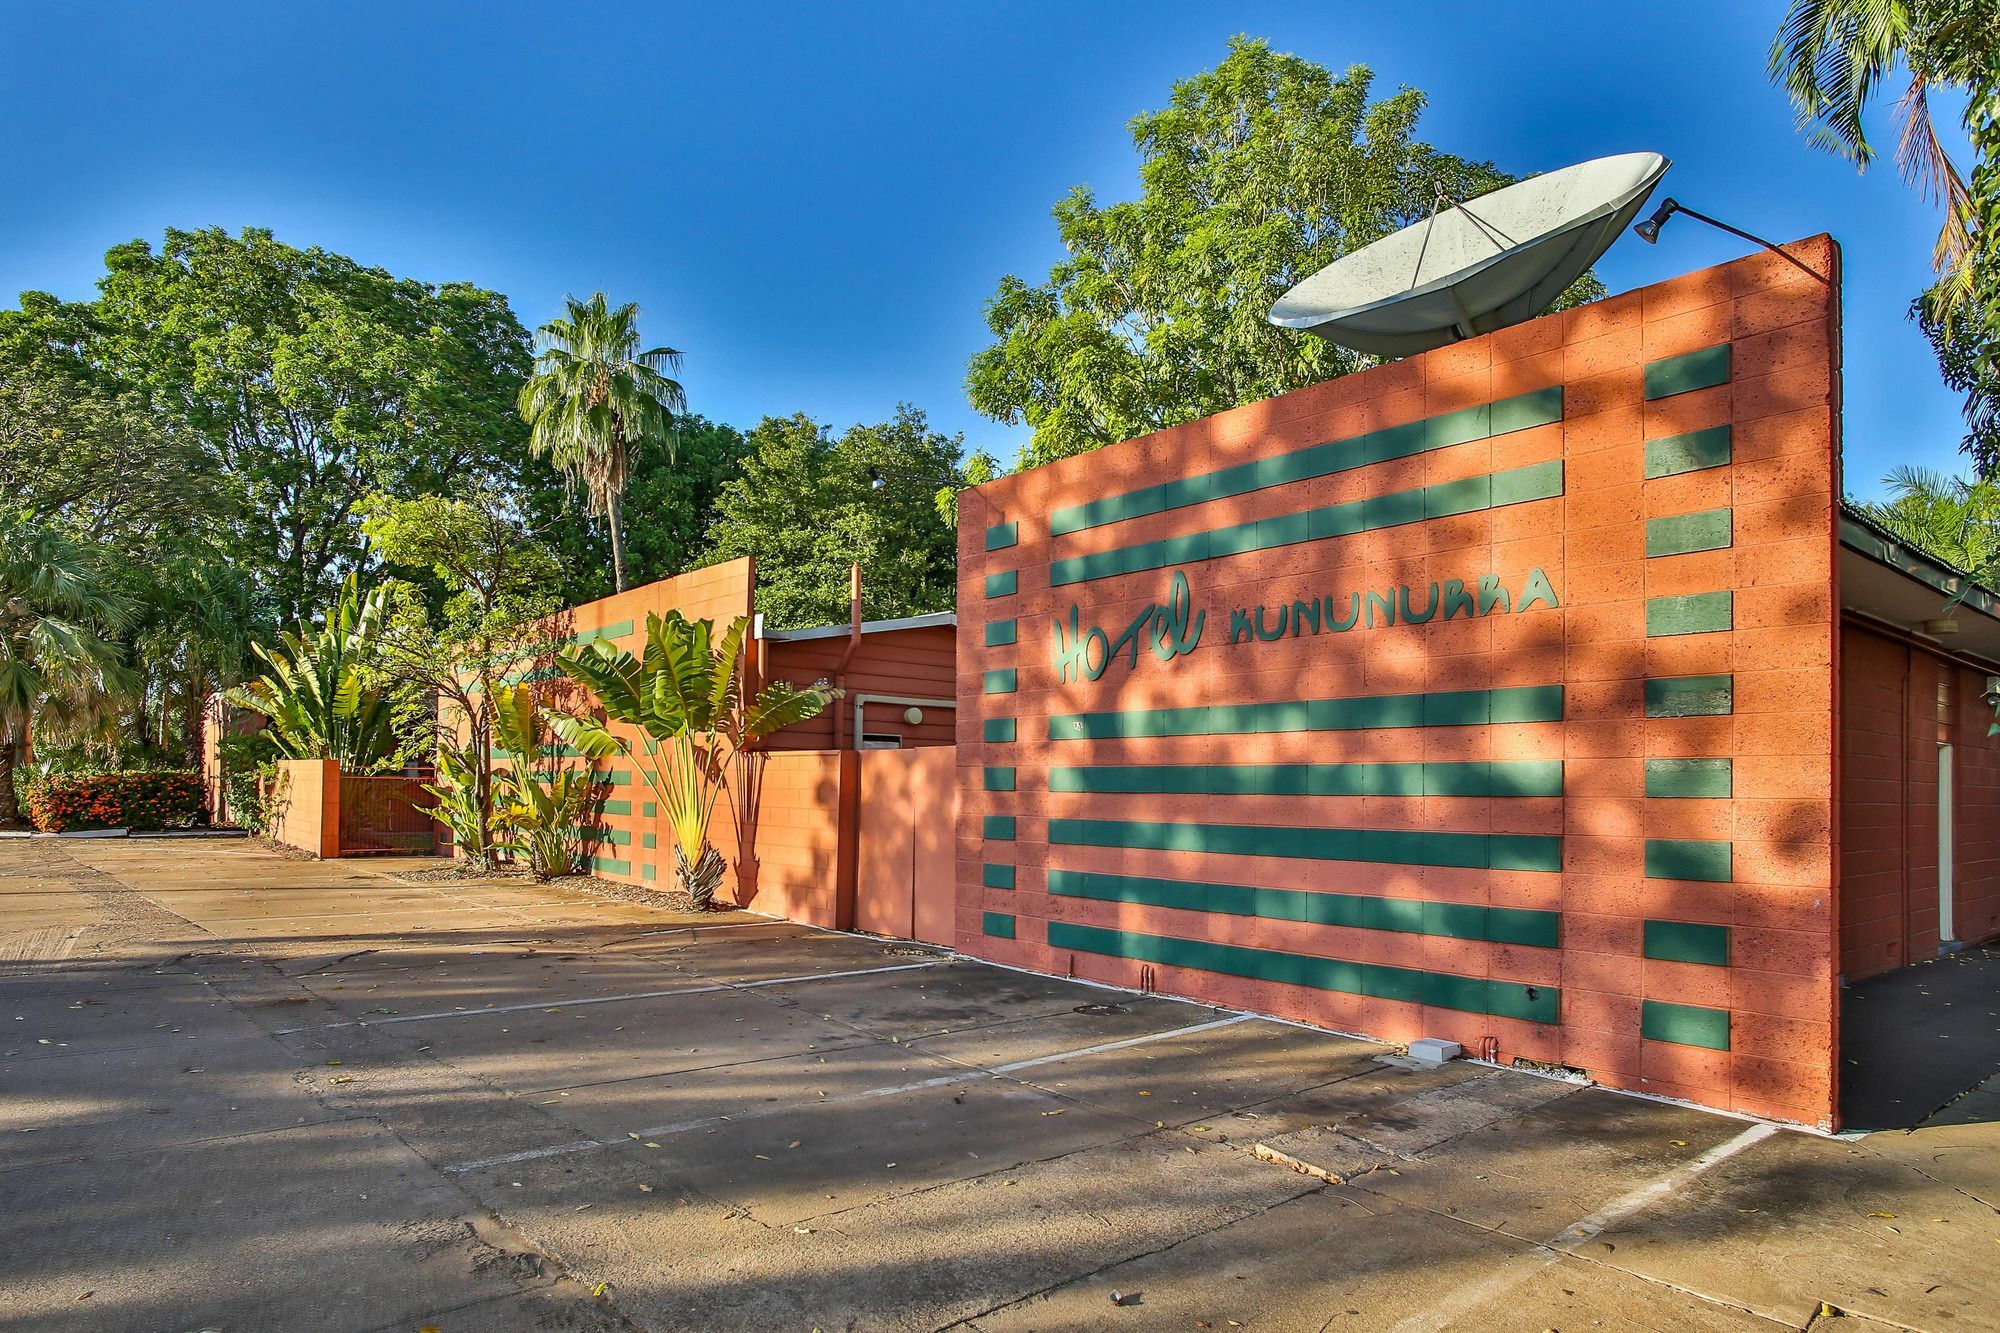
(60, 673)
(594, 399)
(1955, 520)
(1833, 55)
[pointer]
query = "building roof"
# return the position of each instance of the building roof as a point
(936, 619)
(1887, 579)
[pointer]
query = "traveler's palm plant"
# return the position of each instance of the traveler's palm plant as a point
(685, 698)
(539, 805)
(320, 694)
(457, 792)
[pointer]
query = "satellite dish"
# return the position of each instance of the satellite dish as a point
(1473, 267)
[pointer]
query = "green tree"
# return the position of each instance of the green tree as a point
(192, 637)
(79, 451)
(1832, 57)
(1257, 173)
(595, 401)
(669, 506)
(301, 382)
(61, 672)
(496, 592)
(808, 505)
(685, 698)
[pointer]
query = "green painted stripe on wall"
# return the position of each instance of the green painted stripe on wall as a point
(999, 633)
(1688, 372)
(1696, 613)
(651, 810)
(1537, 481)
(1418, 847)
(999, 779)
(998, 828)
(1413, 916)
(1506, 999)
(617, 837)
(1002, 584)
(1001, 536)
(616, 808)
(1689, 778)
(996, 876)
(1540, 407)
(1681, 534)
(1000, 681)
(1360, 712)
(998, 730)
(1692, 452)
(1474, 778)
(1688, 858)
(1684, 1024)
(649, 871)
(617, 631)
(610, 865)
(1687, 942)
(649, 840)
(1690, 696)
(998, 924)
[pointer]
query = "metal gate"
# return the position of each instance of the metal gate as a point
(385, 813)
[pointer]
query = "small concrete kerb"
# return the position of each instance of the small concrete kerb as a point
(1434, 1051)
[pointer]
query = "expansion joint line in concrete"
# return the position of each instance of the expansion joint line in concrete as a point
(599, 999)
(968, 1321)
(864, 1094)
(1481, 1295)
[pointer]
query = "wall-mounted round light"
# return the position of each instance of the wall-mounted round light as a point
(913, 716)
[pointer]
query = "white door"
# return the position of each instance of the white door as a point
(1947, 931)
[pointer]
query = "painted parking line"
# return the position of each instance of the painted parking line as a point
(1483, 1295)
(601, 999)
(861, 1095)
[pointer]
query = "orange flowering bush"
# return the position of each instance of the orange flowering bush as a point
(118, 800)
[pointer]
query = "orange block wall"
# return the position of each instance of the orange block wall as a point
(1769, 997)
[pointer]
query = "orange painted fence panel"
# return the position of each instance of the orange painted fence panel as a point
(904, 869)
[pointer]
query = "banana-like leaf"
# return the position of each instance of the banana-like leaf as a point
(586, 735)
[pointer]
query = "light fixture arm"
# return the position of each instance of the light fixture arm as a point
(1649, 232)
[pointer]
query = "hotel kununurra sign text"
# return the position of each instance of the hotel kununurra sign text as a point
(1173, 628)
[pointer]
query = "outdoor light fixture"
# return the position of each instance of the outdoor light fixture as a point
(1649, 232)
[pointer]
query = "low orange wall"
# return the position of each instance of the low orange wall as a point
(787, 812)
(305, 806)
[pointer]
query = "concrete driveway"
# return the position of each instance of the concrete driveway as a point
(241, 1092)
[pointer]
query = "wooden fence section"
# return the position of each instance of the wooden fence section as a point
(904, 858)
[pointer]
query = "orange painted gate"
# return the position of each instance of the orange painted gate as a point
(906, 843)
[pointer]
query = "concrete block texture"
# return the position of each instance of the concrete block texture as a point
(1542, 622)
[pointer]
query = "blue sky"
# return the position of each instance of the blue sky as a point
(815, 201)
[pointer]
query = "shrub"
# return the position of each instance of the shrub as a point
(248, 776)
(118, 800)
